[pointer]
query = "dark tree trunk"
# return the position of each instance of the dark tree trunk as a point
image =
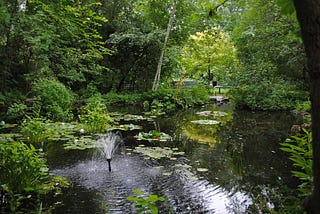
(308, 14)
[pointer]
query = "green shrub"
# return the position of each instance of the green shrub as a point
(34, 130)
(17, 111)
(303, 106)
(55, 99)
(163, 100)
(10, 97)
(116, 98)
(94, 116)
(300, 150)
(267, 95)
(24, 177)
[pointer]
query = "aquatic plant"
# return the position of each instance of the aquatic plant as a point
(206, 122)
(125, 127)
(95, 118)
(153, 135)
(82, 143)
(157, 152)
(34, 130)
(145, 203)
(212, 113)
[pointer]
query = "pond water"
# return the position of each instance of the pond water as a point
(204, 168)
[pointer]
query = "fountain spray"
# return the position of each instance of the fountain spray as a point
(108, 145)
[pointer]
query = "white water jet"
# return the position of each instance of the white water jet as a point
(108, 144)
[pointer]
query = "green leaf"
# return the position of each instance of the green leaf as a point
(138, 192)
(287, 6)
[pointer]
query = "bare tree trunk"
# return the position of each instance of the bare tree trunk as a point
(158, 72)
(308, 14)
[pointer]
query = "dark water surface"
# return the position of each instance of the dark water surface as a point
(241, 155)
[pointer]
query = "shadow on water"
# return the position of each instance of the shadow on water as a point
(217, 170)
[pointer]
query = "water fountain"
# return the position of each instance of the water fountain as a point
(107, 145)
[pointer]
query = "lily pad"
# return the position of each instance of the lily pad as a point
(206, 122)
(126, 127)
(204, 113)
(128, 117)
(154, 152)
(178, 153)
(182, 165)
(219, 113)
(212, 113)
(167, 173)
(80, 144)
(153, 135)
(202, 169)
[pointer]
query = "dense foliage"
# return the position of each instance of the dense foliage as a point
(271, 71)
(249, 46)
(24, 178)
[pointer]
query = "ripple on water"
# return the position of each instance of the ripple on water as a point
(183, 193)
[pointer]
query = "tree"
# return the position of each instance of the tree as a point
(209, 54)
(41, 38)
(158, 72)
(308, 14)
(271, 57)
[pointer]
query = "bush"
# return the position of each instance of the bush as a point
(94, 115)
(17, 111)
(24, 177)
(55, 99)
(34, 130)
(300, 150)
(267, 95)
(115, 98)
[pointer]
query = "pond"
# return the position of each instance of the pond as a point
(216, 161)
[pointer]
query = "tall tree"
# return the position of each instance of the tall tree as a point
(308, 14)
(158, 72)
(209, 54)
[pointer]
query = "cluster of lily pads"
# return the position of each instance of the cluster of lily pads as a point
(172, 154)
(207, 114)
(153, 136)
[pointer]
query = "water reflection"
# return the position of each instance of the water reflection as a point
(240, 153)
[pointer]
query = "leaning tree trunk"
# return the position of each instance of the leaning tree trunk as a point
(308, 14)
(158, 72)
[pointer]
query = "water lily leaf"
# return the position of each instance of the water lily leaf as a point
(206, 122)
(167, 173)
(219, 113)
(212, 113)
(128, 117)
(153, 136)
(204, 113)
(178, 153)
(138, 192)
(154, 152)
(80, 144)
(126, 127)
(202, 169)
